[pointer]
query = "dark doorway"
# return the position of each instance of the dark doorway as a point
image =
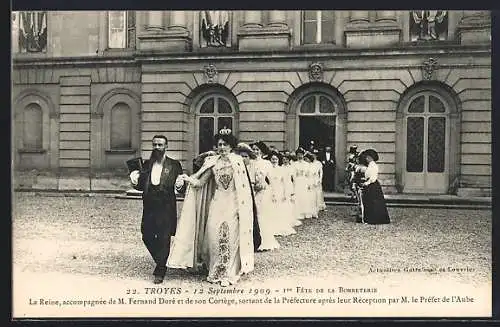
(320, 129)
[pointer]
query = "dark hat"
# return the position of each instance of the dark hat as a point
(300, 150)
(372, 153)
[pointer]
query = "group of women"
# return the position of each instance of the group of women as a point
(238, 202)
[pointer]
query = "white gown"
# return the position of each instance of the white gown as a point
(281, 217)
(289, 205)
(303, 194)
(265, 212)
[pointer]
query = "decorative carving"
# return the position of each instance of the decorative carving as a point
(428, 25)
(33, 31)
(211, 73)
(428, 68)
(215, 28)
(316, 72)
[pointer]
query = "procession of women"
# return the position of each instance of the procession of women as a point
(243, 199)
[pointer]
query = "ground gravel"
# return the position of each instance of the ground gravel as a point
(100, 236)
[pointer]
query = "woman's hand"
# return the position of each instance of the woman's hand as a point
(191, 180)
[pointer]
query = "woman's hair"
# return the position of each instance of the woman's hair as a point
(245, 148)
(226, 136)
(262, 147)
(278, 155)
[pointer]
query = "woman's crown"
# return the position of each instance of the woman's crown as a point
(225, 131)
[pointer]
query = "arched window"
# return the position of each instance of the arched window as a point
(317, 117)
(214, 112)
(318, 26)
(428, 141)
(32, 127)
(121, 127)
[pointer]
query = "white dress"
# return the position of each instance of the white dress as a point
(222, 229)
(289, 205)
(281, 217)
(303, 194)
(313, 207)
(265, 212)
(320, 198)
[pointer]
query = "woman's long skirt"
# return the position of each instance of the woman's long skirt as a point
(375, 209)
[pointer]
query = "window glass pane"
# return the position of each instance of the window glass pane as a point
(328, 31)
(225, 122)
(310, 15)
(415, 144)
(206, 134)
(33, 127)
(326, 106)
(436, 144)
(207, 106)
(417, 105)
(117, 30)
(310, 31)
(223, 106)
(436, 105)
(307, 106)
(327, 15)
(121, 127)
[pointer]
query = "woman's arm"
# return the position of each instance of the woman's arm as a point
(196, 181)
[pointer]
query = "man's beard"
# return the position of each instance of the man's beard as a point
(157, 155)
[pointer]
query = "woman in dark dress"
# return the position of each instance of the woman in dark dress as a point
(375, 209)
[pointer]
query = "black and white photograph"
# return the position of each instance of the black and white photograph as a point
(236, 163)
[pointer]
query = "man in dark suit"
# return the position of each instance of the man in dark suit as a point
(328, 160)
(157, 181)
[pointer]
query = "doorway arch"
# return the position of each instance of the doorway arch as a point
(317, 112)
(428, 140)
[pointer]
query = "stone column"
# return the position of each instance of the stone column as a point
(15, 32)
(252, 19)
(155, 21)
(277, 18)
(177, 20)
(359, 16)
(386, 16)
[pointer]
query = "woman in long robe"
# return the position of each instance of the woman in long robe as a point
(318, 185)
(263, 200)
(374, 206)
(302, 186)
(215, 228)
(281, 218)
(290, 209)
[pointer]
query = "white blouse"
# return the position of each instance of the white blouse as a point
(371, 173)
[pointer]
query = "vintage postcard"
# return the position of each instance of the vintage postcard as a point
(251, 163)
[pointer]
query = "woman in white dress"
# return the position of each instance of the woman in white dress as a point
(302, 185)
(265, 212)
(311, 180)
(282, 214)
(215, 227)
(318, 184)
(288, 171)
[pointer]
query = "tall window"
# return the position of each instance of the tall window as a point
(32, 31)
(121, 29)
(318, 26)
(121, 127)
(215, 112)
(317, 117)
(426, 134)
(33, 127)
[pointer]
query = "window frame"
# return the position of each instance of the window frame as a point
(319, 28)
(215, 115)
(128, 31)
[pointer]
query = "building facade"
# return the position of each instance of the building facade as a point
(90, 89)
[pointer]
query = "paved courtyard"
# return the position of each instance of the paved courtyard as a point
(97, 240)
